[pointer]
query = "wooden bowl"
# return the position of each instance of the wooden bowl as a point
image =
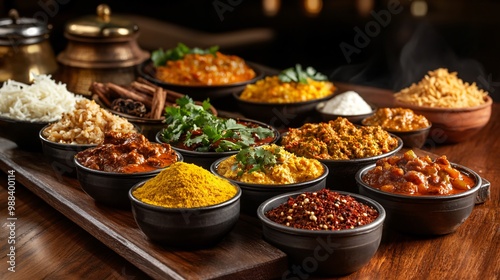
(453, 125)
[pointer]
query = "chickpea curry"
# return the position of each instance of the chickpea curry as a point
(410, 174)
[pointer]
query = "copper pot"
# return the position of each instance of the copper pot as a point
(100, 48)
(25, 49)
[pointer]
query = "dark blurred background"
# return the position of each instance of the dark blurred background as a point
(387, 44)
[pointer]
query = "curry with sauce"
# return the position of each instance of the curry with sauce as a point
(410, 174)
(205, 69)
(397, 119)
(127, 153)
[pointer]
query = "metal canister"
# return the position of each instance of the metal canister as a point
(25, 49)
(101, 48)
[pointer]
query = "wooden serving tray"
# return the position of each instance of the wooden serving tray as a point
(243, 254)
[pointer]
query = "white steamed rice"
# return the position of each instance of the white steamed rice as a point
(43, 101)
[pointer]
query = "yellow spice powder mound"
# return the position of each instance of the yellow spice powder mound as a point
(185, 185)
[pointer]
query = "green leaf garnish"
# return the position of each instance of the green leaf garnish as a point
(298, 75)
(195, 127)
(160, 57)
(254, 159)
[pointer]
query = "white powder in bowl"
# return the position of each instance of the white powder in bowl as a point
(347, 103)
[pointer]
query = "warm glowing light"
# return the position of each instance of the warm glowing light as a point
(313, 7)
(364, 7)
(418, 8)
(271, 7)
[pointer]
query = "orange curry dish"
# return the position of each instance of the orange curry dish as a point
(410, 174)
(397, 119)
(127, 153)
(205, 69)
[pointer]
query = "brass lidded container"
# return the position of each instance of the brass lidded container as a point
(25, 48)
(101, 48)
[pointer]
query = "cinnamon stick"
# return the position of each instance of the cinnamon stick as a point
(99, 90)
(125, 93)
(144, 81)
(158, 104)
(143, 88)
(172, 96)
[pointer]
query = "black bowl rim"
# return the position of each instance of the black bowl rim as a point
(322, 104)
(277, 136)
(157, 208)
(12, 120)
(136, 119)
(428, 128)
(237, 95)
(146, 121)
(147, 75)
(361, 160)
(69, 146)
(64, 146)
(379, 221)
(268, 187)
(80, 167)
(410, 132)
(421, 198)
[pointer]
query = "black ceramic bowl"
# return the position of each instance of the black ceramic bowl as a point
(324, 252)
(254, 194)
(147, 127)
(411, 139)
(279, 115)
(343, 172)
(23, 133)
(186, 227)
(425, 214)
(205, 159)
(356, 119)
(61, 155)
(198, 92)
(111, 188)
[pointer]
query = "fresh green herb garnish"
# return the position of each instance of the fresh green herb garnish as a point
(160, 57)
(297, 74)
(195, 127)
(253, 159)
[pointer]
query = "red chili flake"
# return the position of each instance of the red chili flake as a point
(323, 210)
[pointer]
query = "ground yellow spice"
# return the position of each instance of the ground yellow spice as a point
(185, 185)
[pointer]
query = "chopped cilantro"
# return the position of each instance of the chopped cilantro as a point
(195, 127)
(254, 159)
(160, 57)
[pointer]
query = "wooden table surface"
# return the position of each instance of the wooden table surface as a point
(49, 245)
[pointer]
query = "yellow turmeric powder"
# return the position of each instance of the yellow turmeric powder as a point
(185, 185)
